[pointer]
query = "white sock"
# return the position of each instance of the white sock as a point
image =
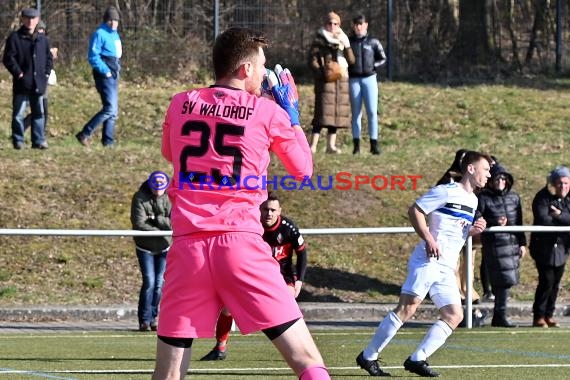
(383, 335)
(434, 339)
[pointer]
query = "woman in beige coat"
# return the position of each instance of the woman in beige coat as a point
(329, 58)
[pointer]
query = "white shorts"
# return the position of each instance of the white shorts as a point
(430, 276)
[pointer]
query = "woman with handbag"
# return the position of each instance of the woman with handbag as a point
(329, 57)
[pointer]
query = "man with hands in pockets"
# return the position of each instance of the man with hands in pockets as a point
(104, 56)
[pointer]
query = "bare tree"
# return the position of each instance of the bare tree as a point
(510, 24)
(539, 35)
(474, 43)
(428, 36)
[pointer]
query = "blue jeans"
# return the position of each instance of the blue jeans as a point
(108, 89)
(20, 104)
(364, 89)
(152, 270)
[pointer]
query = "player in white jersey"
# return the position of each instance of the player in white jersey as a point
(448, 224)
(450, 210)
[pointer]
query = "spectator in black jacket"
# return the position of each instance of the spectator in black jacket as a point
(150, 211)
(369, 56)
(41, 28)
(502, 251)
(550, 207)
(28, 58)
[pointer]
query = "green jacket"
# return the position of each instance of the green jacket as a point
(149, 213)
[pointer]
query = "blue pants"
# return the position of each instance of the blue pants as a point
(20, 104)
(364, 90)
(108, 89)
(152, 270)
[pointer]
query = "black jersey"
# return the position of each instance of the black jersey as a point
(284, 238)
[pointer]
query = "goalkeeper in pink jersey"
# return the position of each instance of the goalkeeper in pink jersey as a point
(215, 137)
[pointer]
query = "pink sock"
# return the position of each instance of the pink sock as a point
(316, 372)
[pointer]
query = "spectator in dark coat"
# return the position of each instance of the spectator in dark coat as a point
(150, 211)
(41, 28)
(550, 207)
(500, 206)
(329, 57)
(28, 58)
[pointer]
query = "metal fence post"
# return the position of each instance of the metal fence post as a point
(469, 280)
(216, 18)
(389, 40)
(559, 36)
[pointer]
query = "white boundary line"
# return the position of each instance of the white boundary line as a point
(42, 374)
(270, 369)
(96, 335)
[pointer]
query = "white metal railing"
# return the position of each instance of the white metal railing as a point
(307, 231)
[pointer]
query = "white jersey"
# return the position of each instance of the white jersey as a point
(450, 210)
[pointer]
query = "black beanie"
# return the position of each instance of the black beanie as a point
(111, 13)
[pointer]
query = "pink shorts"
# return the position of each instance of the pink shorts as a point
(234, 269)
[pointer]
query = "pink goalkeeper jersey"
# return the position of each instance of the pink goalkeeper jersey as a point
(218, 140)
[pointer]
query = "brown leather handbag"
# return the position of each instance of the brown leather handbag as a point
(332, 71)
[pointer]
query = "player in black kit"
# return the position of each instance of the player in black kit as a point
(284, 238)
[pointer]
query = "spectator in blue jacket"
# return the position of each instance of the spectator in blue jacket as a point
(28, 58)
(369, 56)
(104, 56)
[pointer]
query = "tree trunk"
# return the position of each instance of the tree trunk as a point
(510, 27)
(474, 45)
(538, 34)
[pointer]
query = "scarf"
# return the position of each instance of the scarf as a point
(333, 40)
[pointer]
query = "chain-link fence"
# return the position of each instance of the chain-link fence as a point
(174, 37)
